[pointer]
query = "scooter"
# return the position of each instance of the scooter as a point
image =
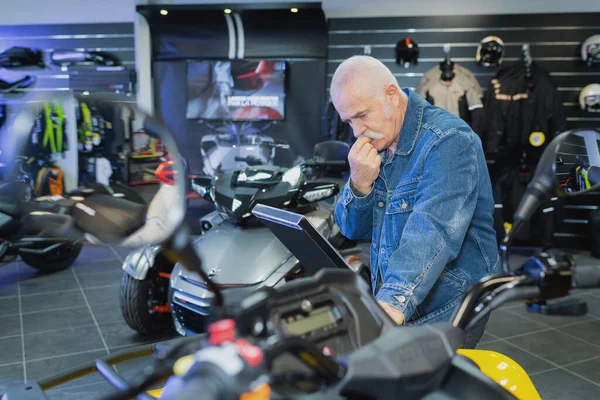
(153, 288)
(325, 335)
(17, 238)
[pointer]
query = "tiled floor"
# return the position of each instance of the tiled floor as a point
(49, 323)
(561, 354)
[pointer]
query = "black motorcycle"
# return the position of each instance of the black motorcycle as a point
(18, 237)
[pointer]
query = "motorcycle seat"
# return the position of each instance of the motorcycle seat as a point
(105, 216)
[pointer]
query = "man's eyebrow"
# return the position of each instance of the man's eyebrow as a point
(356, 114)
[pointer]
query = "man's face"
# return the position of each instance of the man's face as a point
(368, 114)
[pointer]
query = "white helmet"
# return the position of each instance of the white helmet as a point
(590, 50)
(589, 98)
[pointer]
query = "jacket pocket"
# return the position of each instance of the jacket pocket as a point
(444, 296)
(398, 210)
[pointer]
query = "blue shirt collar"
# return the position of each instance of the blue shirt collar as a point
(411, 124)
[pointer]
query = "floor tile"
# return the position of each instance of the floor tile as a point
(119, 334)
(66, 341)
(561, 385)
(11, 350)
(504, 324)
(37, 370)
(62, 280)
(105, 304)
(486, 338)
(99, 278)
(10, 375)
(588, 331)
(50, 320)
(588, 369)
(10, 326)
(529, 362)
(556, 347)
(43, 302)
(98, 266)
(10, 305)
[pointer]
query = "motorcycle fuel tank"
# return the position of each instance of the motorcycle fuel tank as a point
(240, 256)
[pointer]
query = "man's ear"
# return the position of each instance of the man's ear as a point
(392, 95)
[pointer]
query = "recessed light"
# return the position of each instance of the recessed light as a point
(227, 11)
(164, 12)
(294, 10)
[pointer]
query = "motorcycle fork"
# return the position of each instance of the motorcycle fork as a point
(158, 283)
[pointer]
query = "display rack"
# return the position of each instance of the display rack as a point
(145, 157)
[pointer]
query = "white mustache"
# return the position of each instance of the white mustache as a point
(372, 135)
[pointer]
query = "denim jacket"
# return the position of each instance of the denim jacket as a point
(429, 215)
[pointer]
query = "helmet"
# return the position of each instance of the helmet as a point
(407, 52)
(490, 51)
(590, 50)
(589, 98)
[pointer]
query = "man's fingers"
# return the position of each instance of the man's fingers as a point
(373, 153)
(358, 145)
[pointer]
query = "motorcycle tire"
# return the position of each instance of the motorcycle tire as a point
(55, 261)
(134, 299)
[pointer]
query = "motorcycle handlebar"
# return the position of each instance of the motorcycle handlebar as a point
(586, 276)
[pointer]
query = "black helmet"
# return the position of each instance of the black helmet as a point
(490, 51)
(407, 52)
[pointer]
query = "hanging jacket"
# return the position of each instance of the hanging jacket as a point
(48, 134)
(462, 95)
(521, 113)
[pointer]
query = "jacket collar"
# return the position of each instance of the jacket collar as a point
(411, 125)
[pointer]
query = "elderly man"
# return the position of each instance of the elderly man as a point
(419, 188)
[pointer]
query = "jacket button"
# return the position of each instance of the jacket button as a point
(380, 204)
(404, 205)
(401, 299)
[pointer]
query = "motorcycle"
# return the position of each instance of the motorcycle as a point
(153, 289)
(46, 254)
(326, 336)
(220, 148)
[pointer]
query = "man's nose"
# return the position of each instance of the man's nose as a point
(358, 129)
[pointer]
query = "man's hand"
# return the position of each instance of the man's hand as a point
(364, 164)
(393, 312)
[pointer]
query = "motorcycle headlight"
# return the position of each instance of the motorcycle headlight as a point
(292, 175)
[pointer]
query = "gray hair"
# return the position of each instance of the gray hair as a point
(369, 73)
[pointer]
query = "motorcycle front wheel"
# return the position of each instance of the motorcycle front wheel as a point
(55, 260)
(144, 306)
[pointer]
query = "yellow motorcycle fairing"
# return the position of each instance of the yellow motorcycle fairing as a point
(504, 371)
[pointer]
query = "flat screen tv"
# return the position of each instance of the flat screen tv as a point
(236, 90)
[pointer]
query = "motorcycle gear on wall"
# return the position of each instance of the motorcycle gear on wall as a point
(523, 112)
(21, 57)
(461, 95)
(65, 58)
(589, 98)
(10, 87)
(590, 50)
(490, 51)
(48, 135)
(407, 52)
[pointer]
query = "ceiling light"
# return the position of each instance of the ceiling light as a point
(294, 10)
(164, 12)
(227, 11)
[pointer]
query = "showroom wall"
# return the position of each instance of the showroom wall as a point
(116, 39)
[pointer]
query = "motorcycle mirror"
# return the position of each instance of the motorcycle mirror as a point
(202, 185)
(100, 162)
(314, 191)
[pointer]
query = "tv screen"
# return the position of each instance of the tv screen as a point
(236, 90)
